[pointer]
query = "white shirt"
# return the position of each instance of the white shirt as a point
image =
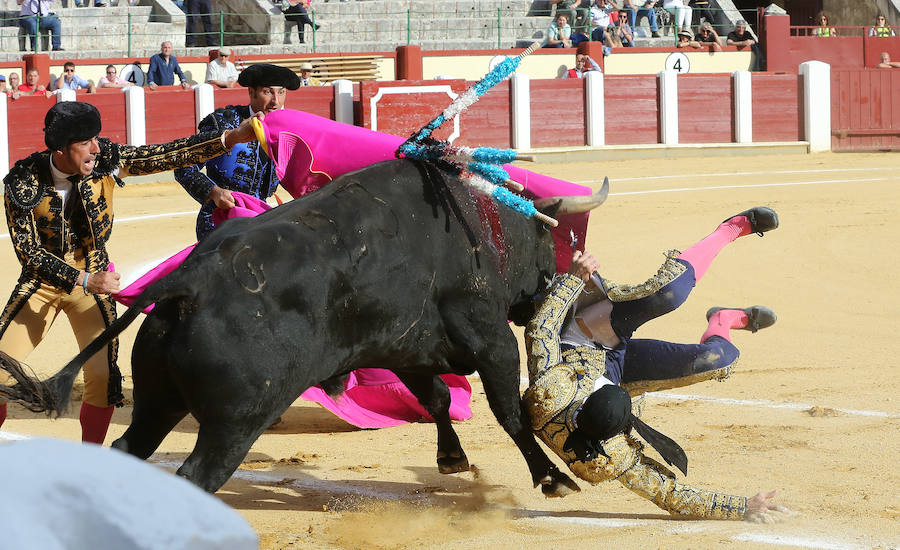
(61, 183)
(214, 71)
(599, 16)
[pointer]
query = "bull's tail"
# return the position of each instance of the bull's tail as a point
(52, 395)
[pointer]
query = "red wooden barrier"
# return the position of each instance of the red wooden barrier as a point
(632, 109)
(403, 113)
(112, 113)
(557, 113)
(26, 125)
(705, 108)
(170, 113)
(777, 105)
(488, 122)
(865, 109)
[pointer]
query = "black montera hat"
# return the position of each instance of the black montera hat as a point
(606, 413)
(266, 74)
(70, 121)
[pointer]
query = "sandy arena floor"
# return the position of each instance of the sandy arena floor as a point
(812, 410)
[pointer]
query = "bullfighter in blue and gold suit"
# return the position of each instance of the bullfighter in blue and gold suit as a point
(582, 363)
(247, 168)
(60, 216)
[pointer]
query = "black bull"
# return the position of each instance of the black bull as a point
(390, 266)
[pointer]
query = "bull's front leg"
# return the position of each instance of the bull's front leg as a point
(503, 398)
(434, 395)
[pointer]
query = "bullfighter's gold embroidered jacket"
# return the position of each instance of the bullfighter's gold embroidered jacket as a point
(559, 381)
(41, 233)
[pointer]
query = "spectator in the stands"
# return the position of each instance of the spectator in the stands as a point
(581, 66)
(31, 86)
(13, 89)
(635, 14)
(823, 29)
(881, 29)
(577, 12)
(681, 11)
(3, 88)
(686, 40)
(112, 80)
(199, 11)
(71, 81)
(221, 72)
(708, 36)
(164, 67)
(306, 77)
(297, 11)
(703, 9)
(886, 62)
(29, 13)
(741, 38)
(559, 33)
(621, 34)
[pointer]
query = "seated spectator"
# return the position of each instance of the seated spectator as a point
(741, 38)
(306, 78)
(49, 22)
(3, 88)
(112, 80)
(71, 81)
(621, 34)
(600, 15)
(881, 28)
(31, 86)
(221, 72)
(823, 29)
(163, 67)
(686, 40)
(634, 15)
(576, 11)
(296, 11)
(558, 33)
(704, 9)
(13, 89)
(886, 62)
(707, 36)
(581, 61)
(682, 12)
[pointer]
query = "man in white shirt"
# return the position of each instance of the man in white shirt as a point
(221, 72)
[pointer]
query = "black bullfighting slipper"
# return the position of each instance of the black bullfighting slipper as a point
(757, 316)
(762, 219)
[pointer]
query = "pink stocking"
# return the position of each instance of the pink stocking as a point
(701, 255)
(722, 321)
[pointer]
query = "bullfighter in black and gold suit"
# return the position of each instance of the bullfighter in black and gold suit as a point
(60, 216)
(582, 363)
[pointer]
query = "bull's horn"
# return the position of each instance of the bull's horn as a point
(576, 204)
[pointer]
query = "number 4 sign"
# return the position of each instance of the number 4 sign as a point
(678, 62)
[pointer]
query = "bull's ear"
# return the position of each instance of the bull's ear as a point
(550, 209)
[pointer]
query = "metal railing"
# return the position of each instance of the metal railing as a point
(830, 30)
(489, 27)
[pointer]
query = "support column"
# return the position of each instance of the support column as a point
(135, 116)
(668, 107)
(409, 63)
(816, 105)
(520, 103)
(594, 109)
(343, 101)
(204, 102)
(743, 107)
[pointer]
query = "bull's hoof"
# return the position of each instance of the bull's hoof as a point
(453, 463)
(557, 485)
